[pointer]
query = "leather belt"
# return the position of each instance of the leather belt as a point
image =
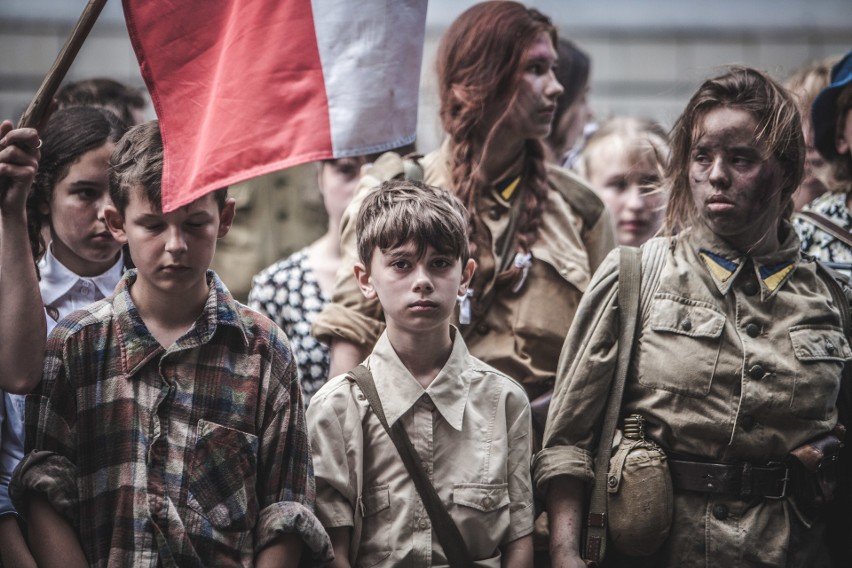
(770, 481)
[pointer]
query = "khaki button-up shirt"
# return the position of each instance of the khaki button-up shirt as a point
(521, 333)
(736, 359)
(471, 429)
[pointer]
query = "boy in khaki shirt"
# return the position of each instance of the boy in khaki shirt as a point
(469, 424)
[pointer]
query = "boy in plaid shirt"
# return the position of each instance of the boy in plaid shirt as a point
(169, 428)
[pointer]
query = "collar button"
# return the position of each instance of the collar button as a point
(751, 288)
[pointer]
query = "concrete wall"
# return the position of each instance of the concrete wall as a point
(647, 57)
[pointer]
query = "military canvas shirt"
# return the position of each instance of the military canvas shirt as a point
(195, 455)
(471, 428)
(736, 359)
(521, 332)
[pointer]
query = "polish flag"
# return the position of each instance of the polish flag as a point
(246, 87)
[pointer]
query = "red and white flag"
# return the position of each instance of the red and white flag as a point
(246, 87)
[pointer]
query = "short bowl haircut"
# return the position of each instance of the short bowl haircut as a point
(402, 211)
(137, 161)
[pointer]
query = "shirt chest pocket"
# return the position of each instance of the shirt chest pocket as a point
(821, 352)
(375, 510)
(679, 347)
(478, 505)
(222, 476)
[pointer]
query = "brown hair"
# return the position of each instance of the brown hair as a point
(479, 70)
(68, 134)
(137, 161)
(402, 211)
(778, 127)
(102, 92)
(573, 74)
(842, 164)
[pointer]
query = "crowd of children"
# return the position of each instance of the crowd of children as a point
(150, 419)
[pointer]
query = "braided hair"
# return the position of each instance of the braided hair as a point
(479, 71)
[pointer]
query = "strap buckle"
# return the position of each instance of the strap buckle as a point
(784, 481)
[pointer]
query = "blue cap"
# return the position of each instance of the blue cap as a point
(824, 110)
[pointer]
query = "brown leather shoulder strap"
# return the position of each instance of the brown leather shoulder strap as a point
(445, 528)
(828, 226)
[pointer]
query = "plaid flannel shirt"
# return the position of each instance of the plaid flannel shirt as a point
(195, 455)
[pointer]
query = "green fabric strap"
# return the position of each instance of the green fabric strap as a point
(629, 284)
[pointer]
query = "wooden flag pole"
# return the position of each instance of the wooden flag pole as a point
(39, 107)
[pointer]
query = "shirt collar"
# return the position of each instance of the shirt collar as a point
(724, 263)
(57, 279)
(139, 346)
(400, 390)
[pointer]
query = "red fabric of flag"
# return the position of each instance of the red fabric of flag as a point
(239, 86)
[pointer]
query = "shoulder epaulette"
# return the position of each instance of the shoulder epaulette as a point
(576, 191)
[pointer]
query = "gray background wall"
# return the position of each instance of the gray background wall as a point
(647, 56)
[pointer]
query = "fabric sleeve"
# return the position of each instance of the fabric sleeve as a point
(519, 422)
(11, 447)
(583, 380)
(49, 467)
(350, 315)
(599, 240)
(337, 441)
(285, 477)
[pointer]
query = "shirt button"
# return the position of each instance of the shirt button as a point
(750, 288)
(756, 372)
(487, 502)
(494, 213)
(753, 330)
(424, 524)
(720, 512)
(686, 324)
(829, 346)
(747, 423)
(483, 329)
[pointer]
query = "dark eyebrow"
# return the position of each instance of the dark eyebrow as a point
(398, 253)
(149, 217)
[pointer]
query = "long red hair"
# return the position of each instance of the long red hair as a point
(479, 69)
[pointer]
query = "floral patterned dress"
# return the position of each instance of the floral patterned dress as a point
(288, 293)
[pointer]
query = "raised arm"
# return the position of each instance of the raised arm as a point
(22, 319)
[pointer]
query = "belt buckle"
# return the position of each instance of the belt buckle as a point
(785, 480)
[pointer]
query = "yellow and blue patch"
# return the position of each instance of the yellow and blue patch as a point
(720, 267)
(506, 188)
(772, 276)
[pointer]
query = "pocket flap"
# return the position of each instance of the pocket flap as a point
(685, 317)
(481, 496)
(819, 343)
(375, 499)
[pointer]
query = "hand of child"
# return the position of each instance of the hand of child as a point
(19, 156)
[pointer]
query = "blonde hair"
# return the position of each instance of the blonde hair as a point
(644, 141)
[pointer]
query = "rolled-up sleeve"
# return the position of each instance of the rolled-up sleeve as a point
(337, 441)
(285, 481)
(350, 315)
(12, 447)
(520, 436)
(49, 467)
(583, 380)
